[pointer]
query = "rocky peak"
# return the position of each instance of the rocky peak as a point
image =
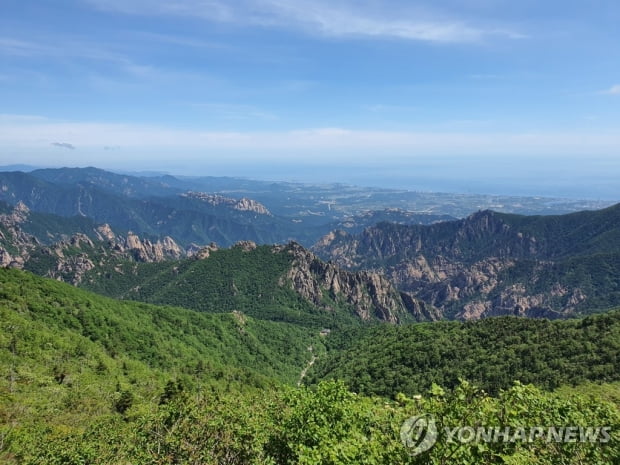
(18, 215)
(21, 211)
(246, 246)
(78, 239)
(104, 232)
(249, 205)
(369, 294)
(143, 250)
(201, 252)
(8, 261)
(170, 248)
(468, 268)
(15, 239)
(244, 204)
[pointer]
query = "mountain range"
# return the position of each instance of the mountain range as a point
(491, 263)
(113, 233)
(165, 320)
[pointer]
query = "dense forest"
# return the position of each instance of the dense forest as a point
(88, 379)
(492, 353)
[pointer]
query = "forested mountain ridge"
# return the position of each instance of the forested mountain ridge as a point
(484, 265)
(273, 282)
(494, 264)
(482, 234)
(137, 207)
(189, 210)
(225, 210)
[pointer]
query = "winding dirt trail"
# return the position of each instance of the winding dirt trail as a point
(302, 375)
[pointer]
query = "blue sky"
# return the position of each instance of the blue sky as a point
(191, 84)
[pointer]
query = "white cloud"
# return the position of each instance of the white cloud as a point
(335, 19)
(17, 47)
(319, 145)
(613, 90)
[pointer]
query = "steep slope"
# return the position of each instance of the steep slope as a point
(162, 338)
(92, 380)
(271, 282)
(493, 264)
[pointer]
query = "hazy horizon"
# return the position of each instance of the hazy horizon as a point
(470, 96)
(441, 176)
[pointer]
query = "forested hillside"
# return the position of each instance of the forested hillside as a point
(37, 311)
(492, 353)
(90, 380)
(267, 354)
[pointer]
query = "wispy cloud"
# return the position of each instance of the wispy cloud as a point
(60, 47)
(317, 17)
(57, 46)
(613, 90)
(18, 47)
(323, 144)
(64, 145)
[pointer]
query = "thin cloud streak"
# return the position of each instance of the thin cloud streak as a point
(17, 47)
(613, 90)
(314, 17)
(64, 145)
(323, 143)
(65, 48)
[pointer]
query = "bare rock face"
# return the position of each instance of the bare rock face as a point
(79, 240)
(20, 243)
(73, 268)
(244, 204)
(143, 250)
(246, 246)
(369, 294)
(105, 233)
(463, 268)
(201, 253)
(5, 258)
(171, 249)
(249, 205)
(20, 213)
(420, 310)
(515, 300)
